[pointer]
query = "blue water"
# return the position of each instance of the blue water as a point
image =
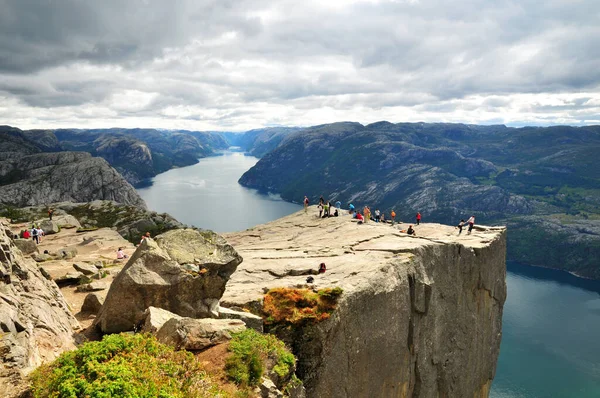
(551, 323)
(550, 336)
(207, 195)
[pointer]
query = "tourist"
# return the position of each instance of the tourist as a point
(383, 217)
(360, 218)
(350, 208)
(377, 215)
(146, 236)
(305, 204)
(326, 210)
(320, 207)
(34, 235)
(471, 222)
(50, 213)
(322, 268)
(26, 234)
(120, 254)
(338, 205)
(410, 230)
(393, 215)
(40, 233)
(460, 226)
(321, 200)
(366, 213)
(335, 213)
(418, 218)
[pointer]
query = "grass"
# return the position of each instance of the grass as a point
(123, 366)
(299, 306)
(252, 353)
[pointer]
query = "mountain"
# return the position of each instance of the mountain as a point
(259, 142)
(544, 183)
(138, 154)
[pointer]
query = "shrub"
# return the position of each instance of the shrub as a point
(123, 366)
(299, 306)
(250, 351)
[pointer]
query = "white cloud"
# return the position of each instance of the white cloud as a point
(240, 64)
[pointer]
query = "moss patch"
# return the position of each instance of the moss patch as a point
(123, 366)
(252, 353)
(299, 306)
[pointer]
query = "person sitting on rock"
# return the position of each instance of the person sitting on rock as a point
(26, 234)
(322, 268)
(144, 237)
(335, 213)
(360, 218)
(120, 254)
(410, 230)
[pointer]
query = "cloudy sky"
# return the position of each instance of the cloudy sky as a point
(241, 64)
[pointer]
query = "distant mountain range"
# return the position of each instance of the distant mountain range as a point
(544, 183)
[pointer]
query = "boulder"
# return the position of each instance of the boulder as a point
(91, 287)
(197, 334)
(252, 321)
(86, 269)
(156, 318)
(41, 257)
(67, 253)
(92, 303)
(268, 389)
(70, 278)
(49, 227)
(66, 221)
(27, 246)
(154, 277)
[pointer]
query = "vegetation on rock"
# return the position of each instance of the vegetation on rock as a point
(252, 353)
(123, 366)
(299, 306)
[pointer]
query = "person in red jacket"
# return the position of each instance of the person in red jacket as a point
(26, 234)
(360, 218)
(418, 218)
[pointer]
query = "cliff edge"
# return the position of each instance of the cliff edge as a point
(420, 316)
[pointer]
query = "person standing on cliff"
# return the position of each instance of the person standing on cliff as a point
(321, 200)
(471, 222)
(418, 218)
(50, 213)
(305, 204)
(460, 226)
(393, 215)
(320, 207)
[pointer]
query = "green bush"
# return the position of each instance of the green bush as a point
(250, 351)
(123, 366)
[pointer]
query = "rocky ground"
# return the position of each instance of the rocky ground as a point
(92, 247)
(283, 253)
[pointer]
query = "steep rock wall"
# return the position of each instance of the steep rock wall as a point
(419, 317)
(35, 322)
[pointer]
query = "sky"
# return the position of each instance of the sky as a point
(234, 65)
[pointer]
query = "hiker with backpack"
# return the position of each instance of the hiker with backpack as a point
(34, 235)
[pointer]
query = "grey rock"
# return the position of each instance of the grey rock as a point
(49, 227)
(92, 303)
(252, 321)
(41, 257)
(397, 329)
(27, 246)
(91, 287)
(268, 389)
(67, 253)
(36, 322)
(86, 269)
(156, 318)
(64, 176)
(197, 334)
(153, 277)
(70, 278)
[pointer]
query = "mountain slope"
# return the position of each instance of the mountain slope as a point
(525, 178)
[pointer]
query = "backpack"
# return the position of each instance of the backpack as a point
(34, 232)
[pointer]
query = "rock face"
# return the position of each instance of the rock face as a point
(155, 277)
(197, 334)
(419, 316)
(35, 320)
(44, 178)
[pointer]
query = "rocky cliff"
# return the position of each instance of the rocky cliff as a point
(35, 322)
(43, 178)
(531, 179)
(420, 316)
